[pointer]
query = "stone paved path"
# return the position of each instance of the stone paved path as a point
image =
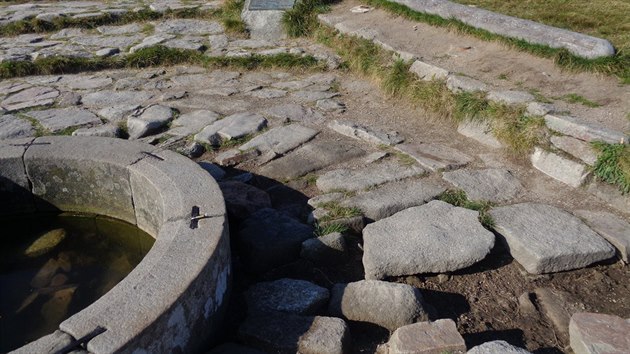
(308, 153)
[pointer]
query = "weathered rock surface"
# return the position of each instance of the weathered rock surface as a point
(480, 131)
(148, 121)
(309, 158)
(459, 83)
(510, 97)
(294, 296)
(242, 199)
(575, 147)
(436, 337)
(12, 127)
(389, 305)
(611, 227)
(232, 127)
(287, 334)
(269, 238)
(291, 112)
(327, 249)
(496, 347)
(428, 72)
(360, 132)
(596, 333)
(391, 198)
(494, 185)
(558, 306)
(559, 168)
(280, 140)
(30, 97)
(59, 119)
(193, 122)
(435, 156)
(105, 130)
(583, 130)
(433, 238)
(369, 176)
(545, 239)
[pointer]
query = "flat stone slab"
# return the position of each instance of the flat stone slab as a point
(30, 97)
(287, 333)
(533, 32)
(584, 130)
(435, 156)
(280, 140)
(575, 147)
(309, 158)
(510, 97)
(391, 198)
(440, 336)
(433, 238)
(480, 131)
(148, 121)
(366, 177)
(495, 347)
(299, 297)
(12, 127)
(269, 238)
(389, 305)
(559, 168)
(56, 120)
(545, 239)
(558, 306)
(597, 333)
(459, 83)
(193, 122)
(270, 4)
(364, 133)
(108, 98)
(428, 72)
(611, 227)
(188, 27)
(326, 249)
(292, 112)
(232, 127)
(494, 185)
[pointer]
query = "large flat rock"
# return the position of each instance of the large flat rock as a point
(494, 185)
(13, 127)
(598, 333)
(59, 119)
(435, 156)
(366, 177)
(436, 337)
(433, 238)
(583, 130)
(613, 228)
(232, 127)
(364, 133)
(389, 305)
(391, 198)
(288, 334)
(545, 239)
(559, 167)
(280, 140)
(309, 158)
(530, 31)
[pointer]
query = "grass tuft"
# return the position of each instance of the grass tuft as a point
(337, 211)
(575, 98)
(458, 198)
(329, 229)
(613, 165)
(230, 16)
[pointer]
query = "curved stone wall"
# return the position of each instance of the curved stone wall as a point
(174, 300)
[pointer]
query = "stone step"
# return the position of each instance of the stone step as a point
(559, 168)
(366, 177)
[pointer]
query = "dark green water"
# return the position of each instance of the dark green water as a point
(53, 266)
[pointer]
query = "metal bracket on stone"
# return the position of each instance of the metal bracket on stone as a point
(82, 342)
(195, 216)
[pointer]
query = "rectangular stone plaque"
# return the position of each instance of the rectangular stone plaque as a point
(271, 4)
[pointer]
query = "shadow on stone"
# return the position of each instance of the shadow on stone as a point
(512, 336)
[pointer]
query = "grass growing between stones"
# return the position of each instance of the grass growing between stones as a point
(329, 229)
(613, 165)
(153, 56)
(337, 211)
(230, 15)
(510, 124)
(575, 98)
(617, 65)
(302, 18)
(458, 198)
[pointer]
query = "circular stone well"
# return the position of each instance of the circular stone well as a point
(174, 300)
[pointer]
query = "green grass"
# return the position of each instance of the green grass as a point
(618, 65)
(336, 211)
(329, 229)
(153, 56)
(230, 16)
(457, 197)
(575, 98)
(302, 18)
(613, 165)
(510, 124)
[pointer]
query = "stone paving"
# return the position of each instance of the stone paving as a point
(261, 133)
